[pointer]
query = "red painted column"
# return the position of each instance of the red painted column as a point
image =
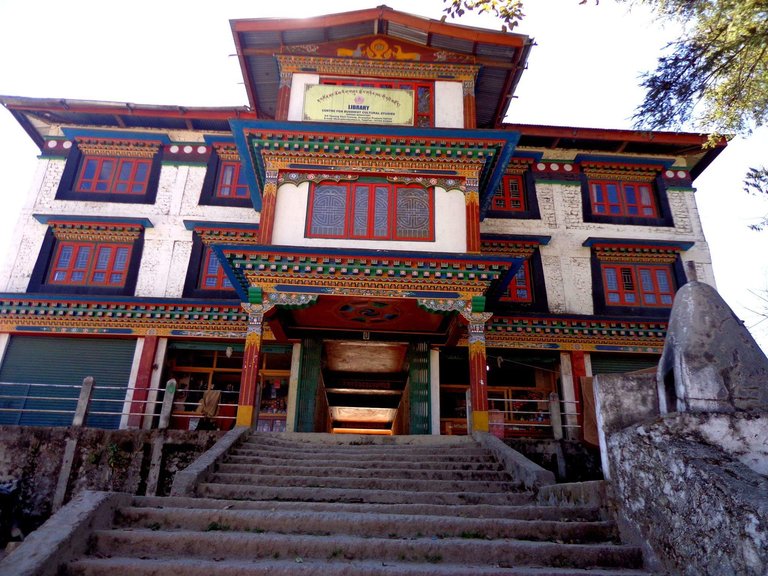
(579, 371)
(478, 375)
(470, 110)
(472, 203)
(268, 202)
(283, 96)
(249, 379)
(143, 380)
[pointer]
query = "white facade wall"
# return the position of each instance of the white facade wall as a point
(567, 263)
(449, 105)
(296, 103)
(167, 244)
(291, 218)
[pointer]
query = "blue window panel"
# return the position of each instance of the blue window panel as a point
(413, 214)
(105, 175)
(360, 218)
(329, 207)
(381, 212)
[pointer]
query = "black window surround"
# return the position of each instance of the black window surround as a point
(208, 195)
(501, 305)
(670, 259)
(660, 195)
(86, 149)
(39, 281)
(531, 211)
(192, 287)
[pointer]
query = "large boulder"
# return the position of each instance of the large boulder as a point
(710, 361)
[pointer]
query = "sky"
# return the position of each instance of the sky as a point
(584, 71)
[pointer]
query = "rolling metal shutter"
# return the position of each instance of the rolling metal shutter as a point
(619, 363)
(35, 360)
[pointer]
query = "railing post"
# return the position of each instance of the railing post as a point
(70, 447)
(468, 402)
(555, 417)
(83, 402)
(165, 411)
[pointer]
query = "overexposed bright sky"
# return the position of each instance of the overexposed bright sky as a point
(582, 72)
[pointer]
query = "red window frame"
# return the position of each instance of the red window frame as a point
(212, 275)
(113, 175)
(230, 180)
(510, 197)
(90, 264)
(623, 199)
(423, 94)
(644, 285)
(520, 288)
(350, 227)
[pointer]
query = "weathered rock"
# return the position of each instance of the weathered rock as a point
(710, 361)
(704, 512)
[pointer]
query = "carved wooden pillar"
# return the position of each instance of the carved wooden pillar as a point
(268, 202)
(579, 370)
(283, 96)
(249, 379)
(478, 375)
(472, 203)
(470, 113)
(143, 379)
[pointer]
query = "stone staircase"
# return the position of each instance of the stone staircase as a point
(284, 504)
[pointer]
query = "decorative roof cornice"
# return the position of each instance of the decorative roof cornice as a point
(572, 333)
(359, 272)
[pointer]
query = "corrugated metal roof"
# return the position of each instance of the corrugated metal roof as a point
(350, 30)
(260, 39)
(453, 44)
(306, 36)
(490, 84)
(495, 51)
(405, 33)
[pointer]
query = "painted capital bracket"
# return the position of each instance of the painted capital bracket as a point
(443, 305)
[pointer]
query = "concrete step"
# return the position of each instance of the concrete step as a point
(369, 483)
(356, 442)
(363, 472)
(513, 512)
(346, 455)
(255, 458)
(392, 496)
(310, 567)
(245, 545)
(364, 524)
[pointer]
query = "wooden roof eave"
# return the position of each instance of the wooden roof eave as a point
(382, 13)
(686, 144)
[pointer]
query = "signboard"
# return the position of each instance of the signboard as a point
(358, 105)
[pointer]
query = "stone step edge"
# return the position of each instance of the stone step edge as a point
(506, 551)
(127, 566)
(362, 495)
(378, 525)
(484, 511)
(413, 484)
(353, 471)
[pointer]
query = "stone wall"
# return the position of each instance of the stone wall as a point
(701, 510)
(111, 460)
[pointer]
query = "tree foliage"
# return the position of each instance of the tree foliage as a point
(756, 183)
(715, 76)
(510, 12)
